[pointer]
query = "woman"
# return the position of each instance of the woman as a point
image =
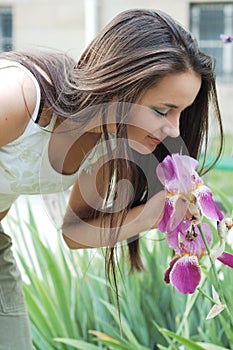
(141, 90)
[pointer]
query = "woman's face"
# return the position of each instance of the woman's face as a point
(157, 113)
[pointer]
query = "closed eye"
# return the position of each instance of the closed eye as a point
(161, 112)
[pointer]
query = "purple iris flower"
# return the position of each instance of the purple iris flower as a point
(226, 38)
(188, 201)
(186, 193)
(184, 272)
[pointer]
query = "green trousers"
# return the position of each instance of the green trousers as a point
(14, 322)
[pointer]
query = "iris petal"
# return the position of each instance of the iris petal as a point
(226, 259)
(178, 173)
(174, 212)
(168, 271)
(185, 274)
(169, 209)
(166, 173)
(175, 237)
(206, 203)
(183, 240)
(196, 246)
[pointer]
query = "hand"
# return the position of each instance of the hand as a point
(154, 209)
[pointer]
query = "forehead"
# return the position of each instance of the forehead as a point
(178, 89)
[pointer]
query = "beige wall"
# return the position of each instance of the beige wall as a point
(55, 24)
(177, 9)
(62, 24)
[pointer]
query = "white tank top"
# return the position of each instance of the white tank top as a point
(24, 163)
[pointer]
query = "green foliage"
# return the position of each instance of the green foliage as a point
(189, 344)
(72, 306)
(218, 176)
(224, 200)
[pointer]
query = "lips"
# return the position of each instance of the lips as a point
(154, 140)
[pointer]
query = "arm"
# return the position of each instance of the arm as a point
(17, 103)
(81, 231)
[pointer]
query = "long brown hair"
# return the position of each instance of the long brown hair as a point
(131, 54)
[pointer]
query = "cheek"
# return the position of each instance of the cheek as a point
(137, 140)
(140, 116)
(143, 122)
(135, 133)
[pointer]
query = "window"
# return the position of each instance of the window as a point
(5, 29)
(207, 22)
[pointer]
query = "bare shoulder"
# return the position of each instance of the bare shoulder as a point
(17, 102)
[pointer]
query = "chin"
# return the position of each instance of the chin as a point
(141, 148)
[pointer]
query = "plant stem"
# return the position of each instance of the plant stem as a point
(209, 255)
(206, 295)
(218, 283)
(189, 306)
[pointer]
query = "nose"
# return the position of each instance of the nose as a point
(172, 126)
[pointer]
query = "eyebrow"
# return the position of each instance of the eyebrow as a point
(170, 105)
(167, 105)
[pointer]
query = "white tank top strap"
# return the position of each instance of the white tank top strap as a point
(51, 125)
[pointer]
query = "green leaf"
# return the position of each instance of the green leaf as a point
(188, 343)
(172, 345)
(125, 326)
(227, 328)
(208, 346)
(161, 347)
(37, 316)
(113, 346)
(78, 344)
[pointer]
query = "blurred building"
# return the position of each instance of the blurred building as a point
(69, 25)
